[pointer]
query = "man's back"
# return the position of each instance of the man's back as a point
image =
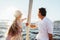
(45, 27)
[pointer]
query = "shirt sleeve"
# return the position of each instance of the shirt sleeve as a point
(50, 27)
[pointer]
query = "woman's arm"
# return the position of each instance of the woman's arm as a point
(8, 37)
(23, 19)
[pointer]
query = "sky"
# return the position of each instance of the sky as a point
(8, 8)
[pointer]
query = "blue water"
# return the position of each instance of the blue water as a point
(4, 27)
(32, 33)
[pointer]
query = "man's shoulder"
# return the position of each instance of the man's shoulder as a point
(47, 20)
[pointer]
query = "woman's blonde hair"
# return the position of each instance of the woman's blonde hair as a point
(18, 13)
(13, 30)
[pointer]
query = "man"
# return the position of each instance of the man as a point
(44, 25)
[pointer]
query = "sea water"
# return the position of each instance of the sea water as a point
(4, 28)
(32, 33)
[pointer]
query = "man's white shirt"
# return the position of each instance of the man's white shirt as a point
(45, 26)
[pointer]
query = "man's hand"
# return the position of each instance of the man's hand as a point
(50, 36)
(27, 24)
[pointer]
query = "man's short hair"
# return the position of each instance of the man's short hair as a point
(42, 11)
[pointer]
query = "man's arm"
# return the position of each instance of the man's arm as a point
(50, 36)
(32, 25)
(50, 30)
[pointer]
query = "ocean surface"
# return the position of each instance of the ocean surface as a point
(4, 25)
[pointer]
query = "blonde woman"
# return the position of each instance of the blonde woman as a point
(15, 30)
